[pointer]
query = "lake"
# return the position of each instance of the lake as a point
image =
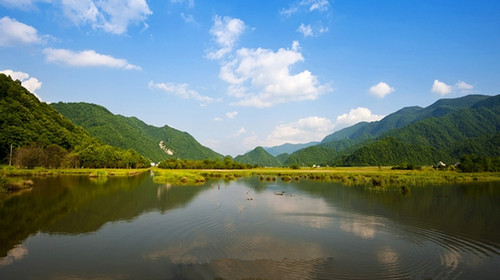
(78, 227)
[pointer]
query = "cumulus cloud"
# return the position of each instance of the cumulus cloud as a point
(381, 89)
(261, 77)
(316, 128)
(441, 88)
(181, 90)
(463, 86)
(310, 31)
(31, 84)
(13, 32)
(306, 30)
(306, 6)
(302, 131)
(87, 58)
(225, 32)
(231, 115)
(238, 133)
(355, 116)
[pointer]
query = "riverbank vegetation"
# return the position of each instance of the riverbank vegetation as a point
(369, 176)
(226, 163)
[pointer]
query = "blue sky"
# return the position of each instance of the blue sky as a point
(241, 74)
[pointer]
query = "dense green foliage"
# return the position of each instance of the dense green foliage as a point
(475, 163)
(25, 120)
(258, 156)
(412, 136)
(314, 155)
(403, 118)
(40, 136)
(132, 133)
(390, 151)
(227, 163)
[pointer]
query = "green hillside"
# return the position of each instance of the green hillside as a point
(288, 148)
(40, 136)
(404, 117)
(314, 155)
(25, 120)
(258, 156)
(390, 151)
(444, 131)
(156, 143)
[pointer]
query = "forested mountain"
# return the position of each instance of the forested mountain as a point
(443, 131)
(156, 143)
(258, 156)
(403, 118)
(288, 148)
(40, 136)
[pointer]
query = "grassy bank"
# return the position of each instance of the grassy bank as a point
(372, 176)
(10, 171)
(13, 179)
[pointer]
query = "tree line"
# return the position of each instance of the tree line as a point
(91, 156)
(226, 163)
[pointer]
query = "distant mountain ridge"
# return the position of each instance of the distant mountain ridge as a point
(156, 143)
(288, 148)
(444, 131)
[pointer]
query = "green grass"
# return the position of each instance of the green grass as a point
(11, 171)
(372, 176)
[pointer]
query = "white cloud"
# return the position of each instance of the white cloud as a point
(306, 30)
(306, 6)
(301, 131)
(231, 115)
(316, 128)
(461, 85)
(87, 58)
(262, 78)
(13, 32)
(188, 18)
(238, 133)
(31, 84)
(190, 3)
(381, 89)
(113, 16)
(225, 32)
(181, 90)
(355, 116)
(217, 119)
(21, 4)
(441, 88)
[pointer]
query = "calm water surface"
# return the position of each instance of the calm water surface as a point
(132, 228)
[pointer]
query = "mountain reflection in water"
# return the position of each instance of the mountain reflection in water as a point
(128, 228)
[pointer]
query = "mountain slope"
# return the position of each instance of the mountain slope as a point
(404, 117)
(156, 143)
(40, 136)
(25, 120)
(443, 131)
(258, 156)
(288, 148)
(390, 151)
(468, 130)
